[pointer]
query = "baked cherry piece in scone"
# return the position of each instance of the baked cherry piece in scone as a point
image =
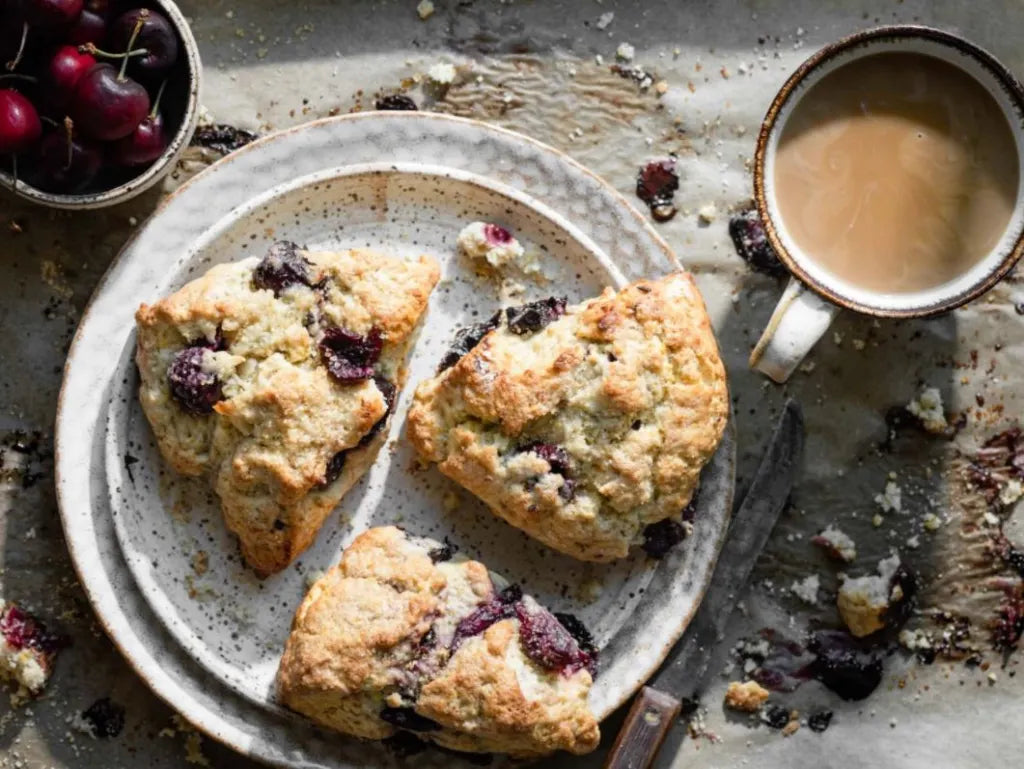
(581, 425)
(276, 377)
(400, 636)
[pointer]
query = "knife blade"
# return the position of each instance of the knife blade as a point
(656, 706)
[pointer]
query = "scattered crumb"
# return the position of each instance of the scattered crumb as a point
(859, 344)
(661, 87)
(931, 522)
(807, 589)
(1011, 492)
(707, 213)
(863, 601)
(915, 640)
(837, 544)
(927, 407)
(747, 697)
(605, 19)
(791, 728)
(890, 500)
(425, 9)
(625, 52)
(877, 520)
(450, 501)
(200, 562)
(442, 73)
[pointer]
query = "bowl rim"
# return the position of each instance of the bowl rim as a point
(159, 167)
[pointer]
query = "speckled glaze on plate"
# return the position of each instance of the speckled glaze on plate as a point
(209, 643)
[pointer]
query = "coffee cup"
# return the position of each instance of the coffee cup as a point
(943, 138)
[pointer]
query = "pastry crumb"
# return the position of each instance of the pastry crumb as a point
(891, 499)
(927, 407)
(442, 73)
(625, 52)
(807, 589)
(863, 601)
(425, 9)
(838, 544)
(707, 213)
(747, 697)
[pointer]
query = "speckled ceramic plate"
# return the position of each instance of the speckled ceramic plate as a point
(150, 547)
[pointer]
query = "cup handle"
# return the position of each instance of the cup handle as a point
(799, 320)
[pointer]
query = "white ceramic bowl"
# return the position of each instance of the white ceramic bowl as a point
(188, 101)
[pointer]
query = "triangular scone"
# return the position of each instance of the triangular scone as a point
(401, 636)
(583, 425)
(276, 377)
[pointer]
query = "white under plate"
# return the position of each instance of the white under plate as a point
(209, 642)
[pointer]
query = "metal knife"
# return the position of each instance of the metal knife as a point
(657, 705)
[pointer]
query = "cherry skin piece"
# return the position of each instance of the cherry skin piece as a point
(20, 128)
(51, 13)
(65, 69)
(66, 164)
(156, 35)
(106, 106)
(143, 145)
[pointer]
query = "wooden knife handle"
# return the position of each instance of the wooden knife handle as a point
(646, 726)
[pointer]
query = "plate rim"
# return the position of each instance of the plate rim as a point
(165, 691)
(185, 635)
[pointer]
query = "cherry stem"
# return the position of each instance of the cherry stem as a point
(17, 76)
(49, 121)
(93, 50)
(13, 63)
(156, 101)
(143, 15)
(69, 127)
(14, 171)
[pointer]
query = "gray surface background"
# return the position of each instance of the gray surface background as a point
(531, 66)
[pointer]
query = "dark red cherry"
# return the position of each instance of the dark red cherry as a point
(20, 128)
(66, 162)
(155, 34)
(65, 69)
(91, 27)
(108, 106)
(143, 145)
(51, 13)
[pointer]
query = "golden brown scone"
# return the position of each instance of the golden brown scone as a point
(581, 425)
(276, 376)
(400, 636)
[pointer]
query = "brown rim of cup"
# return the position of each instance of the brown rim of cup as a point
(1005, 78)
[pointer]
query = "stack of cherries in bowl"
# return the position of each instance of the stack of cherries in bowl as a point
(92, 92)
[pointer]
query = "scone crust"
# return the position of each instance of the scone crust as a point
(282, 417)
(356, 646)
(630, 384)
